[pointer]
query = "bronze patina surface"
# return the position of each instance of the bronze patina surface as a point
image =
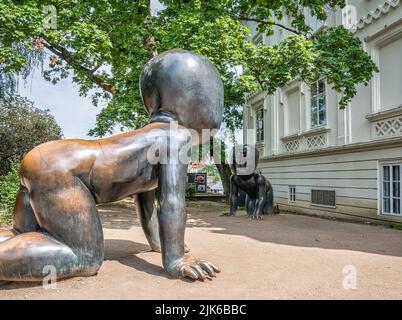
(259, 193)
(56, 220)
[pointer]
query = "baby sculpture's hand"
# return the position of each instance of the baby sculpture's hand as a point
(194, 268)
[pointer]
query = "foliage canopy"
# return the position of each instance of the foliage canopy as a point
(104, 44)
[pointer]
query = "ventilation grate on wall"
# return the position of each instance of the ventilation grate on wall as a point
(323, 197)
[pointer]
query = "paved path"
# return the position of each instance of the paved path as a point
(286, 256)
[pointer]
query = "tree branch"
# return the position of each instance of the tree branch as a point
(150, 42)
(68, 57)
(270, 23)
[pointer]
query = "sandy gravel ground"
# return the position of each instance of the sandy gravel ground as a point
(282, 257)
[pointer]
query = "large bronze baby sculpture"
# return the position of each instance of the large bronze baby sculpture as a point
(259, 193)
(56, 221)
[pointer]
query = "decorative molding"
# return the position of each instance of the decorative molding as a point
(385, 30)
(249, 95)
(394, 112)
(254, 97)
(391, 142)
(388, 127)
(302, 142)
(317, 141)
(375, 14)
(291, 146)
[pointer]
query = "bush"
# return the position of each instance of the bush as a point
(23, 127)
(190, 192)
(9, 187)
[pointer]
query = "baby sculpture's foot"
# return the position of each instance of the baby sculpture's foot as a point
(186, 248)
(227, 214)
(194, 268)
(257, 216)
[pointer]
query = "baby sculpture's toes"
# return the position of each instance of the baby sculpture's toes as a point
(257, 217)
(196, 269)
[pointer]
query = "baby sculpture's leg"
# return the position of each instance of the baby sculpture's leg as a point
(269, 203)
(146, 208)
(23, 217)
(250, 206)
(72, 242)
(146, 211)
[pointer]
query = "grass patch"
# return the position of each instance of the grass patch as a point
(395, 225)
(209, 206)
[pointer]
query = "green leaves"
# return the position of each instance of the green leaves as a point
(104, 45)
(9, 187)
(22, 127)
(343, 62)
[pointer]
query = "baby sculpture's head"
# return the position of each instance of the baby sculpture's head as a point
(180, 85)
(244, 159)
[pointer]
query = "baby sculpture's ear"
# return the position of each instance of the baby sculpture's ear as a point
(180, 85)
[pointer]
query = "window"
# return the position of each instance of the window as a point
(315, 23)
(258, 40)
(323, 198)
(259, 115)
(292, 194)
(318, 104)
(390, 65)
(293, 111)
(391, 189)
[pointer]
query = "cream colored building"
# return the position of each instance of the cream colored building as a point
(323, 160)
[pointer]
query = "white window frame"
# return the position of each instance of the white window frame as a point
(318, 95)
(391, 197)
(261, 139)
(292, 194)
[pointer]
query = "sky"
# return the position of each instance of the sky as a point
(76, 115)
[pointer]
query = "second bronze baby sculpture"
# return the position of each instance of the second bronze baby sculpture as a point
(56, 220)
(259, 192)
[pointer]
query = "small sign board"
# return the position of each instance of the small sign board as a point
(198, 181)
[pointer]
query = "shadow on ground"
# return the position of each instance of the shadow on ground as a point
(124, 251)
(302, 231)
(117, 217)
(284, 229)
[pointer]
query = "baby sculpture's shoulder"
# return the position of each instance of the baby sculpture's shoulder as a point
(259, 178)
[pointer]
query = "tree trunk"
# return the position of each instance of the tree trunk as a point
(225, 173)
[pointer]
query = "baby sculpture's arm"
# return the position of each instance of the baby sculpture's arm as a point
(172, 222)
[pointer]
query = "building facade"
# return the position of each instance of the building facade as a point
(324, 160)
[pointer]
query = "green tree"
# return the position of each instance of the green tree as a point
(104, 45)
(22, 127)
(9, 187)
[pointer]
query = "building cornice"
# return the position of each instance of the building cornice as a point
(254, 97)
(361, 146)
(376, 14)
